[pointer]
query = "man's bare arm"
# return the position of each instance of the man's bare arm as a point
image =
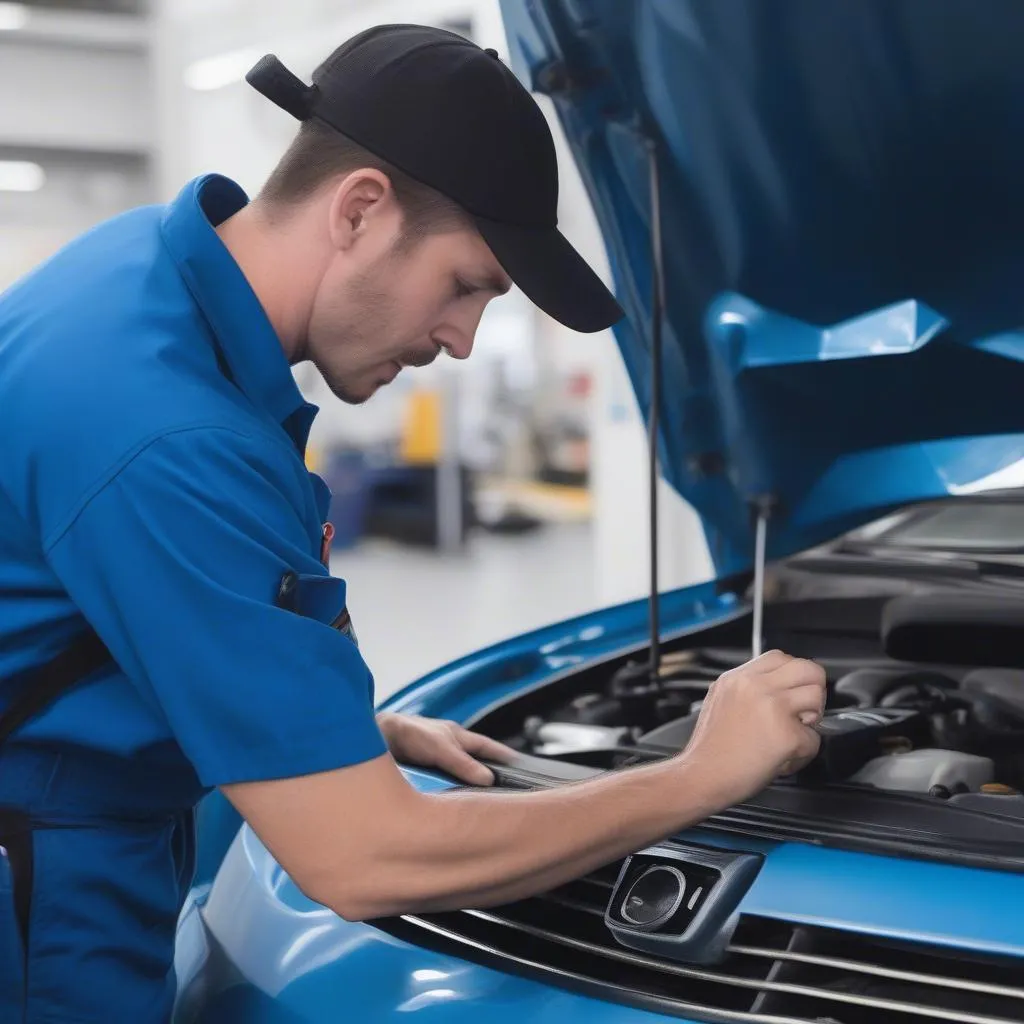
(365, 843)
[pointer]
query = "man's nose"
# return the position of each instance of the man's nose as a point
(460, 348)
(459, 343)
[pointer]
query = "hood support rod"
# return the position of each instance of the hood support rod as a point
(657, 317)
(762, 509)
(760, 546)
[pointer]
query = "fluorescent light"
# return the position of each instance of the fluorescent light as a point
(21, 176)
(216, 72)
(13, 17)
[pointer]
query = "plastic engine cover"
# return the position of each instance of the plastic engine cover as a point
(918, 771)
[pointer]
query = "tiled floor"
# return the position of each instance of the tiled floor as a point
(415, 610)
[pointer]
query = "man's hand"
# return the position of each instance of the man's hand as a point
(433, 743)
(757, 723)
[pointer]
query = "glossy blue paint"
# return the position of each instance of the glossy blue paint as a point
(217, 824)
(842, 263)
(902, 899)
(282, 958)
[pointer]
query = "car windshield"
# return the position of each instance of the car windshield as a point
(968, 527)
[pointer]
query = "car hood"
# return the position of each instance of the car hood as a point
(843, 242)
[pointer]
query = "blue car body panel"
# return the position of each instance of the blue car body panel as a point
(843, 239)
(291, 960)
(843, 247)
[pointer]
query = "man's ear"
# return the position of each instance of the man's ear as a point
(355, 197)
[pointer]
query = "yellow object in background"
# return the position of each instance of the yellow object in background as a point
(421, 429)
(312, 458)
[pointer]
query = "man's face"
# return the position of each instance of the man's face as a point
(388, 302)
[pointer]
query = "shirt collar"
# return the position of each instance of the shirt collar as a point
(241, 329)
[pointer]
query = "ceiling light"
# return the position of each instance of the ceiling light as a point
(13, 17)
(21, 176)
(216, 72)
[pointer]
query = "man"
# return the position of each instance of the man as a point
(161, 542)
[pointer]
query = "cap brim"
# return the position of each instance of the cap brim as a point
(552, 274)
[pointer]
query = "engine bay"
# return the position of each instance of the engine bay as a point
(949, 734)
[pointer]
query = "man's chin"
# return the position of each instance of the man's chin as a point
(357, 396)
(362, 389)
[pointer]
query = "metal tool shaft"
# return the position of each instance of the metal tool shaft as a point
(760, 555)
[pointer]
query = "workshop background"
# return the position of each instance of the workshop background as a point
(472, 501)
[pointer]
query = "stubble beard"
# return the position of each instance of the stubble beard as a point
(369, 317)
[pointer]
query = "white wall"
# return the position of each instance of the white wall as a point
(66, 96)
(79, 190)
(77, 101)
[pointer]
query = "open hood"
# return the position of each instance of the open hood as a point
(842, 207)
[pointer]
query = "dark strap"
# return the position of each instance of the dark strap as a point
(39, 687)
(16, 839)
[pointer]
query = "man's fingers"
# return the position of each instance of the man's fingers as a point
(797, 672)
(807, 701)
(807, 749)
(484, 746)
(451, 758)
(767, 662)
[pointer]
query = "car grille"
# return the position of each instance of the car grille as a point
(774, 972)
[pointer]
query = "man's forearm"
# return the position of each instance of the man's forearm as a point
(362, 841)
(451, 848)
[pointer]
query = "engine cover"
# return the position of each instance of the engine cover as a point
(921, 771)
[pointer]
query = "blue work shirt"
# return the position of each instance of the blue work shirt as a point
(152, 481)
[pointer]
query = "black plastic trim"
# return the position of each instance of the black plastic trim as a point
(987, 841)
(706, 935)
(665, 916)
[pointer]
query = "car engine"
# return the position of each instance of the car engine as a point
(956, 737)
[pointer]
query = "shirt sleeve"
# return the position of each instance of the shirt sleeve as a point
(176, 562)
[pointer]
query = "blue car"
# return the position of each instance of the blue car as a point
(814, 214)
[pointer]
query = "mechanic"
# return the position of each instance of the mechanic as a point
(168, 624)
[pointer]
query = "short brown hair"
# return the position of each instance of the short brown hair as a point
(319, 153)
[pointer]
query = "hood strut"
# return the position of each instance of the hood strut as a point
(760, 545)
(635, 681)
(657, 315)
(762, 508)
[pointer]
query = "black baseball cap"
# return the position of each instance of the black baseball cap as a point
(453, 116)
